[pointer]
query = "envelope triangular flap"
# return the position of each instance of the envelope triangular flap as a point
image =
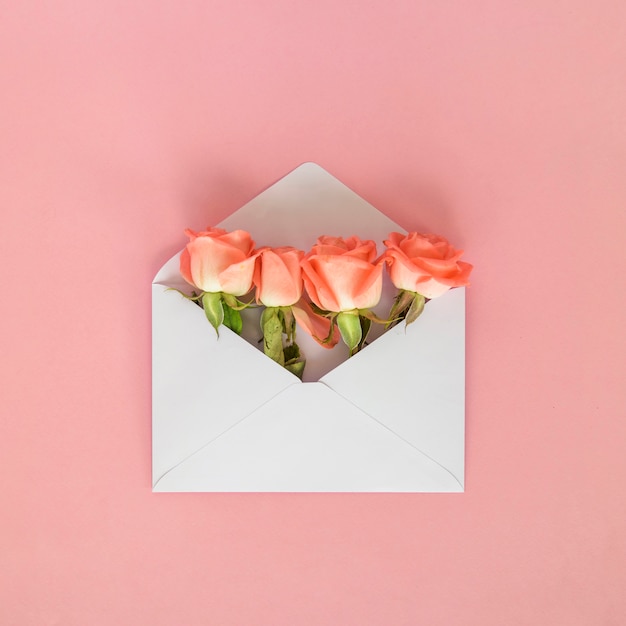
(201, 385)
(413, 381)
(306, 203)
(308, 438)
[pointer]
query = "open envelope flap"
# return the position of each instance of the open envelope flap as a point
(308, 438)
(201, 385)
(306, 203)
(412, 380)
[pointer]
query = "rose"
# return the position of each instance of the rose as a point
(278, 276)
(221, 265)
(343, 274)
(218, 261)
(425, 264)
(343, 277)
(278, 282)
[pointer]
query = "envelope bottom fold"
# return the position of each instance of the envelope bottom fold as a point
(308, 439)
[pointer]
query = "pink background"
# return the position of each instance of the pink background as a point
(498, 124)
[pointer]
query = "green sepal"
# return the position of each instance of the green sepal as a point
(416, 308)
(371, 316)
(232, 319)
(194, 296)
(272, 329)
(366, 324)
(400, 307)
(321, 312)
(331, 329)
(235, 303)
(213, 309)
(349, 323)
(230, 300)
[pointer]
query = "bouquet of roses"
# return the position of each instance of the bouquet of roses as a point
(329, 292)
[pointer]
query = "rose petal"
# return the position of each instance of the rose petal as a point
(236, 279)
(315, 325)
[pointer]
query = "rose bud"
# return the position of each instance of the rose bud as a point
(278, 276)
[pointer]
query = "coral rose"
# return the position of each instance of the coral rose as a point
(343, 275)
(278, 276)
(219, 261)
(425, 264)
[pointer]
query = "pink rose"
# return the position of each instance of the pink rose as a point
(425, 264)
(219, 261)
(278, 276)
(343, 275)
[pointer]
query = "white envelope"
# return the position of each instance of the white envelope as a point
(227, 418)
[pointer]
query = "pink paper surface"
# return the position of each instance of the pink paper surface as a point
(498, 124)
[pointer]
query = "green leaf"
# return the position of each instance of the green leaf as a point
(416, 308)
(293, 363)
(232, 319)
(349, 323)
(289, 322)
(213, 309)
(296, 368)
(272, 329)
(291, 352)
